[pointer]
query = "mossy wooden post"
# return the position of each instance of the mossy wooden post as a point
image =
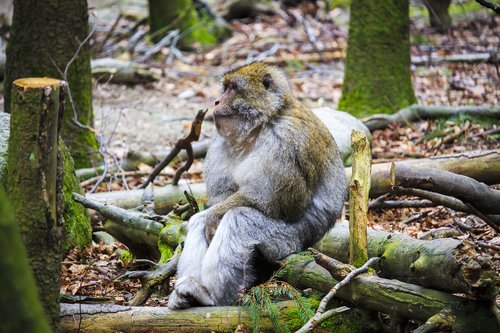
(33, 184)
(19, 303)
(377, 67)
(439, 17)
(44, 38)
(359, 188)
(165, 16)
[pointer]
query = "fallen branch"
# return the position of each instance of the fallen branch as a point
(478, 197)
(471, 58)
(418, 112)
(490, 4)
(444, 200)
(183, 143)
(151, 280)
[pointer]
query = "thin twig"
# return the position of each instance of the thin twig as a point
(183, 143)
(320, 314)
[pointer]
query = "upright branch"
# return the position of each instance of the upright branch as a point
(359, 188)
(183, 143)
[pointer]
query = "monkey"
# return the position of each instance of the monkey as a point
(275, 183)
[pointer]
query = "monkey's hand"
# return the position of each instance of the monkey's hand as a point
(217, 211)
(212, 220)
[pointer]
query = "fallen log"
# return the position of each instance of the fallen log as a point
(461, 268)
(134, 319)
(418, 112)
(444, 264)
(397, 298)
(123, 72)
(483, 166)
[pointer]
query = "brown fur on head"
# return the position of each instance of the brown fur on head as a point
(252, 95)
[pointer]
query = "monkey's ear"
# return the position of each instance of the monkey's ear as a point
(267, 81)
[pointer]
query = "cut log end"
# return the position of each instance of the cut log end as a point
(37, 83)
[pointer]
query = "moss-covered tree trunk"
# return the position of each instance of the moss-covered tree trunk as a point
(438, 14)
(77, 227)
(45, 35)
(19, 304)
(377, 67)
(195, 27)
(34, 182)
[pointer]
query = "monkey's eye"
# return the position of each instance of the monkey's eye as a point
(267, 80)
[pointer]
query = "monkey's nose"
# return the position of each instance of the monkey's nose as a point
(217, 102)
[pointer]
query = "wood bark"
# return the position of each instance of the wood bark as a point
(34, 183)
(44, 38)
(359, 188)
(418, 112)
(439, 17)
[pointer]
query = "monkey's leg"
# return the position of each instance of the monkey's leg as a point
(228, 267)
(195, 247)
(190, 263)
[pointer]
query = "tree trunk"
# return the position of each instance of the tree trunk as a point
(34, 183)
(77, 227)
(44, 37)
(19, 304)
(439, 17)
(377, 66)
(165, 16)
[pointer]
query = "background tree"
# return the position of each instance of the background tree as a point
(44, 38)
(195, 21)
(439, 17)
(377, 66)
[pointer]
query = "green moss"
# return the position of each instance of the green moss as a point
(172, 234)
(126, 257)
(77, 228)
(19, 303)
(377, 75)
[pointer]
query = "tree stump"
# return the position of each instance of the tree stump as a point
(34, 182)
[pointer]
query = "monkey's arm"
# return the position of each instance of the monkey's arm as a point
(217, 211)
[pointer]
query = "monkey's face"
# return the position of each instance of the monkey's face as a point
(252, 95)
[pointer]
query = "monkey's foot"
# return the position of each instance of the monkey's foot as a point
(187, 292)
(177, 301)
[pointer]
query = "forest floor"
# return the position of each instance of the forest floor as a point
(151, 117)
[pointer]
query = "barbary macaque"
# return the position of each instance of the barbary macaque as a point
(275, 183)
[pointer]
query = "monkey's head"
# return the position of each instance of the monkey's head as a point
(253, 94)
